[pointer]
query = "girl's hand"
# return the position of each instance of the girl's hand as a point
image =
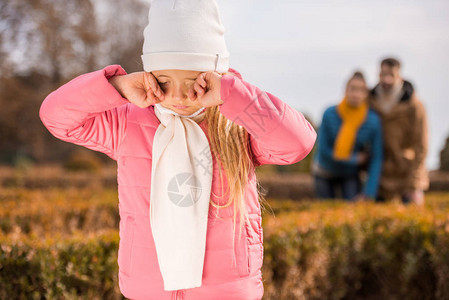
(140, 88)
(206, 89)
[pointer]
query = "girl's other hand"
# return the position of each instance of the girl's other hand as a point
(206, 89)
(140, 88)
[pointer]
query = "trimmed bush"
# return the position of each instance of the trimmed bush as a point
(338, 250)
(58, 211)
(54, 249)
(80, 267)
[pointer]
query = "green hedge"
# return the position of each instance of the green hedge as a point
(337, 250)
(80, 267)
(58, 211)
(313, 250)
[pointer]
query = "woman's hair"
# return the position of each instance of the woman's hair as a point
(356, 75)
(229, 143)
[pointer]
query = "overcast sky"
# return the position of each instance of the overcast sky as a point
(303, 51)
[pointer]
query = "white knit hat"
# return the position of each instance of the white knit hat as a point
(185, 35)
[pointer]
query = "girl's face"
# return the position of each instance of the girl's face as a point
(175, 85)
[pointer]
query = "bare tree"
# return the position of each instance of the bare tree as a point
(44, 43)
(122, 30)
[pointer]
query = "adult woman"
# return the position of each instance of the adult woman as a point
(349, 138)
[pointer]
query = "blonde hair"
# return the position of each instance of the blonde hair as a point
(229, 144)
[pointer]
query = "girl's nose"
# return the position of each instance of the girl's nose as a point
(178, 93)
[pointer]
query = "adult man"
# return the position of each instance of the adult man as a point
(404, 125)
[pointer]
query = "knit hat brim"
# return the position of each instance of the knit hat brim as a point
(185, 61)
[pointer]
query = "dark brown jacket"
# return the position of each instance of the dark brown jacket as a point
(405, 144)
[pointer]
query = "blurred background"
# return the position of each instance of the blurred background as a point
(301, 51)
(58, 201)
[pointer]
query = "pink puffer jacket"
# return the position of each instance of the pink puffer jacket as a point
(88, 111)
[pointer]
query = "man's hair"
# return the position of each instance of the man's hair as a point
(390, 62)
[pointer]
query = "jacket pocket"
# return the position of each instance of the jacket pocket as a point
(242, 252)
(255, 243)
(125, 251)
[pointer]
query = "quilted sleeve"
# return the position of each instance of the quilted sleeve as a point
(278, 133)
(88, 111)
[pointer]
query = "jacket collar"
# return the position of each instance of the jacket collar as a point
(407, 91)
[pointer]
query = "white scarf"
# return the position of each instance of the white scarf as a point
(181, 182)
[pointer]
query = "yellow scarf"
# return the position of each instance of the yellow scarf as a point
(352, 118)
